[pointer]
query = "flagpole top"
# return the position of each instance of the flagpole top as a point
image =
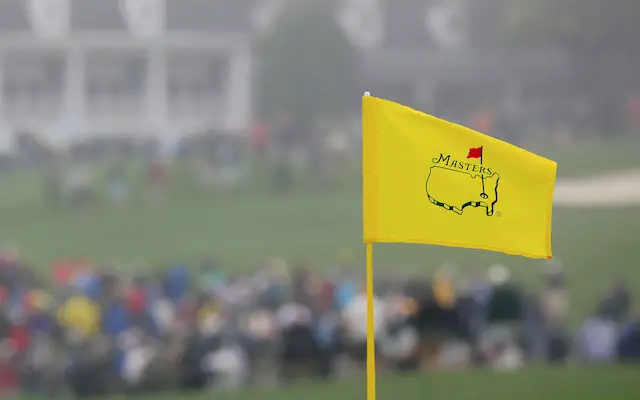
(367, 94)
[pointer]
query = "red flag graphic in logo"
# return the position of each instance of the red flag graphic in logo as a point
(475, 152)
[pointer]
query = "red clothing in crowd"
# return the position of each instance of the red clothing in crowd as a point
(65, 270)
(19, 335)
(158, 173)
(327, 293)
(260, 136)
(633, 109)
(8, 379)
(137, 301)
(62, 273)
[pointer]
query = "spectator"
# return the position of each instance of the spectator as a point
(78, 186)
(158, 178)
(81, 315)
(8, 376)
(117, 184)
(558, 346)
(53, 185)
(629, 343)
(300, 350)
(354, 317)
(617, 301)
(554, 298)
(285, 136)
(598, 338)
(164, 333)
(260, 139)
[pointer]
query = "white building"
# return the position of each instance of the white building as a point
(71, 69)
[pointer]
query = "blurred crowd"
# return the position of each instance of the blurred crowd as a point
(87, 330)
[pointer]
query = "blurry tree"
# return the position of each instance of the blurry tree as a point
(306, 63)
(602, 38)
(578, 25)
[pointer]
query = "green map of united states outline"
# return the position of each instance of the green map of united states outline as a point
(471, 203)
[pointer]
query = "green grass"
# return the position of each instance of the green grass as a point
(570, 383)
(583, 384)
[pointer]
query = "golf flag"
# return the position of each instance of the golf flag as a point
(426, 180)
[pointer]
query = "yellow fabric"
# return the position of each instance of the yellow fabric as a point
(81, 314)
(420, 187)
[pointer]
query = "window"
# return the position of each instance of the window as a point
(196, 83)
(115, 84)
(33, 85)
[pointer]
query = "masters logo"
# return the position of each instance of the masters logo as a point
(455, 185)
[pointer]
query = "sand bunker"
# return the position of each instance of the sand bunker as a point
(621, 189)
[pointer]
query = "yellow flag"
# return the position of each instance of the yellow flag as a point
(426, 180)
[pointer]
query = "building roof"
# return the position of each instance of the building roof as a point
(13, 16)
(107, 15)
(215, 15)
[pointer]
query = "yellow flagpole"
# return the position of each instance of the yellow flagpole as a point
(371, 339)
(371, 344)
